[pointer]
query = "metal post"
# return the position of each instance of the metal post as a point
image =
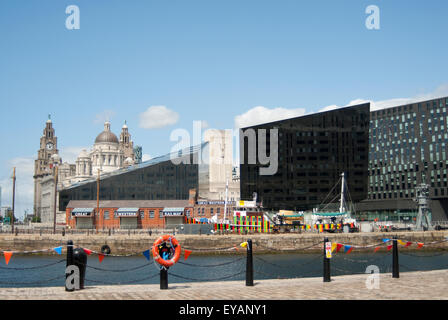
(249, 265)
(327, 275)
(13, 199)
(163, 278)
(395, 265)
(69, 261)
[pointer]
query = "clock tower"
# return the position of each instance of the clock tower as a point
(43, 163)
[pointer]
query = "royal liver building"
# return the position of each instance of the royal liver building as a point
(109, 153)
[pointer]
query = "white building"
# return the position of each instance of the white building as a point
(217, 167)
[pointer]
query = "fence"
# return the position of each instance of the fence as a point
(245, 265)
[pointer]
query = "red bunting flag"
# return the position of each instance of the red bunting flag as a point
(349, 250)
(419, 245)
(389, 247)
(408, 244)
(338, 247)
(100, 257)
(8, 255)
(376, 249)
(89, 252)
(186, 254)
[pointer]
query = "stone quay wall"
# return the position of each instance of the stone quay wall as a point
(210, 244)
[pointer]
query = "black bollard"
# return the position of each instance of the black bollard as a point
(80, 260)
(249, 265)
(327, 275)
(109, 232)
(395, 266)
(163, 278)
(63, 232)
(69, 261)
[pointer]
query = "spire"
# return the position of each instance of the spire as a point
(107, 126)
(49, 118)
(125, 126)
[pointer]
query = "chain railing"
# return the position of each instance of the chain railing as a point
(342, 262)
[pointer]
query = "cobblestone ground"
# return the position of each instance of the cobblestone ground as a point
(411, 285)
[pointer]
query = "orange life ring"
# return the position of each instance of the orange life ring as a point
(155, 250)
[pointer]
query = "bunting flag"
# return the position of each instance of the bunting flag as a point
(58, 250)
(100, 257)
(147, 254)
(244, 244)
(408, 244)
(186, 254)
(376, 249)
(338, 247)
(89, 252)
(386, 240)
(348, 249)
(333, 246)
(389, 247)
(236, 248)
(401, 242)
(419, 245)
(8, 255)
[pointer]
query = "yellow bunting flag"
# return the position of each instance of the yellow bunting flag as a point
(333, 246)
(8, 255)
(186, 254)
(401, 242)
(244, 244)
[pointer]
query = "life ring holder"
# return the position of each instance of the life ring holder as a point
(177, 250)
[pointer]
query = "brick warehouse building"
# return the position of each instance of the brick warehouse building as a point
(127, 214)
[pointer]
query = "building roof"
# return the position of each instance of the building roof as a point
(151, 162)
(128, 203)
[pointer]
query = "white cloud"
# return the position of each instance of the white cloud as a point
(104, 116)
(24, 195)
(260, 114)
(158, 117)
(146, 157)
(440, 91)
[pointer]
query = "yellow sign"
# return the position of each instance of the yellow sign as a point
(328, 250)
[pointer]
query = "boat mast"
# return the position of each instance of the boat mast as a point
(341, 208)
(225, 202)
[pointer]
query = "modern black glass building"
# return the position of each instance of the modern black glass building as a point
(169, 177)
(407, 147)
(313, 151)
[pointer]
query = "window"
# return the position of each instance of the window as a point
(211, 210)
(106, 215)
(142, 214)
(151, 213)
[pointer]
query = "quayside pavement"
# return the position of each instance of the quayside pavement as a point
(425, 285)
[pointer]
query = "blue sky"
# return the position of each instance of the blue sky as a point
(205, 60)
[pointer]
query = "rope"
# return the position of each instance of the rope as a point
(119, 270)
(35, 267)
(294, 249)
(211, 265)
(217, 279)
(289, 266)
(217, 249)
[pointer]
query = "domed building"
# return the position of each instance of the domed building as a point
(108, 154)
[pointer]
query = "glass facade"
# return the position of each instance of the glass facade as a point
(313, 151)
(408, 147)
(156, 179)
